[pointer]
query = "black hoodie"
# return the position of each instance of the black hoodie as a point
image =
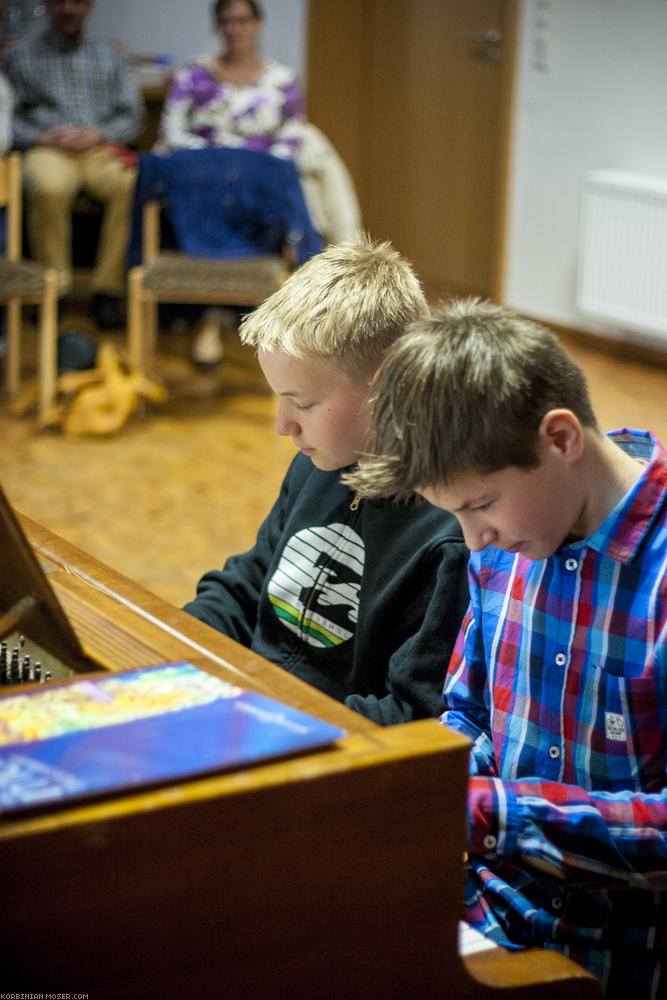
(361, 600)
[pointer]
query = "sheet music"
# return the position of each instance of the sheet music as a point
(471, 941)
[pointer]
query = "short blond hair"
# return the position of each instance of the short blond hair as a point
(346, 305)
(465, 392)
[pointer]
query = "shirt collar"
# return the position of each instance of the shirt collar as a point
(622, 531)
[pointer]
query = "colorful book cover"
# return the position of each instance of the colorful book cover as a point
(118, 732)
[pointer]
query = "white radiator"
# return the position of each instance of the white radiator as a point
(622, 269)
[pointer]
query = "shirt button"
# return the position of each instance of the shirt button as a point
(554, 753)
(561, 659)
(556, 903)
(570, 564)
(490, 842)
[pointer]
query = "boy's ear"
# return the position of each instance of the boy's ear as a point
(561, 429)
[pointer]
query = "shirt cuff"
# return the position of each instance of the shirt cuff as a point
(493, 817)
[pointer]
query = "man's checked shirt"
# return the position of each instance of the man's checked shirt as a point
(86, 83)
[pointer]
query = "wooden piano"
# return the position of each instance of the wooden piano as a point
(333, 874)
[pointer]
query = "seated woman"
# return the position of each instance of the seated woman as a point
(234, 98)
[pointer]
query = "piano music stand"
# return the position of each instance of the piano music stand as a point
(28, 603)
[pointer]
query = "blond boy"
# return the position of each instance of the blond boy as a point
(361, 600)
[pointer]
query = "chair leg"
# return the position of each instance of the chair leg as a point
(135, 320)
(13, 377)
(48, 341)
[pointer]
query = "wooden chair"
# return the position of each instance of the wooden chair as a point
(24, 282)
(172, 276)
(239, 221)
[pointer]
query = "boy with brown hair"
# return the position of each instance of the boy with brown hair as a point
(359, 599)
(559, 674)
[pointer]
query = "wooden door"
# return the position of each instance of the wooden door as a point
(421, 117)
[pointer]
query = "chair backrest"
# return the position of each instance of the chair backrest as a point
(10, 199)
(150, 231)
(225, 203)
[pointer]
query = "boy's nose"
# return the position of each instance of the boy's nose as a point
(284, 424)
(478, 537)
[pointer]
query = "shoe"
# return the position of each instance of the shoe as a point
(106, 312)
(207, 349)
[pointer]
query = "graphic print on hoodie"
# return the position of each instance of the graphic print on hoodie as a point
(315, 588)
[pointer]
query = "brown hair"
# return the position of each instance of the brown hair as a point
(465, 391)
(219, 6)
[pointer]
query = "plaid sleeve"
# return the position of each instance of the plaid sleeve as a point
(465, 693)
(125, 118)
(569, 832)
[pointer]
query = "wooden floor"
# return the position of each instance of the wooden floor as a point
(186, 484)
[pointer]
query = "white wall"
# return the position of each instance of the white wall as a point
(598, 103)
(184, 28)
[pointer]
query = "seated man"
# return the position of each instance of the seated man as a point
(361, 600)
(76, 102)
(559, 672)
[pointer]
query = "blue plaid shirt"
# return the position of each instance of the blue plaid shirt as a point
(59, 83)
(559, 677)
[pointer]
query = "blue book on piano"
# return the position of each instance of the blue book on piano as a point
(121, 731)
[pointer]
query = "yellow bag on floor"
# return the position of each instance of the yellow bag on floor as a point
(105, 396)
